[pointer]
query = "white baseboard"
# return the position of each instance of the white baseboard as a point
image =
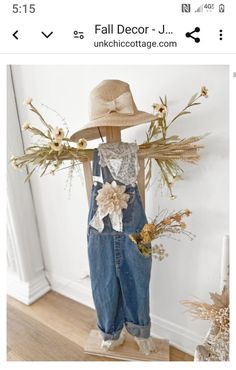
(180, 337)
(80, 291)
(27, 292)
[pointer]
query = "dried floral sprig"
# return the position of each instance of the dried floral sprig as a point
(216, 343)
(164, 225)
(170, 169)
(159, 252)
(55, 148)
(217, 312)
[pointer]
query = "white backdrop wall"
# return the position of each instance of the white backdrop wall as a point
(192, 268)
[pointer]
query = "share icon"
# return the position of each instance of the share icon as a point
(190, 34)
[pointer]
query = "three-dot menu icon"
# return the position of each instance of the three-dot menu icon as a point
(221, 35)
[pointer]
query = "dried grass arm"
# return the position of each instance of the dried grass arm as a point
(173, 148)
(166, 151)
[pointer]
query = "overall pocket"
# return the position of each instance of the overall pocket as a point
(136, 249)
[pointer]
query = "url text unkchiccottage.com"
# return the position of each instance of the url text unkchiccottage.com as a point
(134, 44)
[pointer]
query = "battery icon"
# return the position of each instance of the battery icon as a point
(221, 8)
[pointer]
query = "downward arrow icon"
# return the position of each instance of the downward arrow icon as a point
(47, 36)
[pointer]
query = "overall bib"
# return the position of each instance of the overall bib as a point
(120, 273)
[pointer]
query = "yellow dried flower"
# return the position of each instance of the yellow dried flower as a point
(82, 144)
(58, 134)
(204, 92)
(187, 212)
(161, 108)
(158, 228)
(26, 125)
(151, 228)
(146, 236)
(55, 167)
(27, 101)
(167, 221)
(177, 217)
(13, 162)
(15, 165)
(55, 145)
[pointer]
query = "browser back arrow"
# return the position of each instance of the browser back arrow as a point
(14, 35)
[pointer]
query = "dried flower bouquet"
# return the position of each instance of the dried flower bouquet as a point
(164, 225)
(216, 344)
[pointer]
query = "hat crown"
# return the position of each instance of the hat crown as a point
(111, 104)
(108, 91)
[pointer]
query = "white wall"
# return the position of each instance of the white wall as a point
(192, 268)
(26, 279)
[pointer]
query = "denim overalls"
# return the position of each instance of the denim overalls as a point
(120, 273)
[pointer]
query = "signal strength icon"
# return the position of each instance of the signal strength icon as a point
(200, 9)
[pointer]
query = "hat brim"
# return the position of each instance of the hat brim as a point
(91, 130)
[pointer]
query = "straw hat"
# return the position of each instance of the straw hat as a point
(111, 104)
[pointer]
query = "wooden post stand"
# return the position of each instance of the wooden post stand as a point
(129, 349)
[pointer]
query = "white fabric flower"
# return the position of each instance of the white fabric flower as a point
(111, 199)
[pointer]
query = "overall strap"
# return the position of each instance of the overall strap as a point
(96, 165)
(101, 174)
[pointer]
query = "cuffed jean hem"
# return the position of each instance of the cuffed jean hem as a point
(141, 331)
(106, 336)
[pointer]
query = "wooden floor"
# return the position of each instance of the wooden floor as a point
(54, 328)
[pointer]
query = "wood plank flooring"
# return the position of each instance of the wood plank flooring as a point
(55, 328)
